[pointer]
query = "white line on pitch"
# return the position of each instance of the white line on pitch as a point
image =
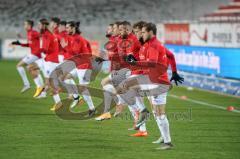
(203, 103)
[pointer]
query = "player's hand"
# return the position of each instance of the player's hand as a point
(130, 59)
(99, 60)
(16, 43)
(176, 78)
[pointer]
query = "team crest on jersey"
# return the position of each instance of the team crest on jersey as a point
(142, 57)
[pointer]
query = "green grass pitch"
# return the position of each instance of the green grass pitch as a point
(28, 129)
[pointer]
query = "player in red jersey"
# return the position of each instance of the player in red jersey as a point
(109, 31)
(171, 59)
(126, 43)
(61, 35)
(77, 47)
(53, 26)
(113, 57)
(33, 42)
(152, 69)
(170, 56)
(50, 47)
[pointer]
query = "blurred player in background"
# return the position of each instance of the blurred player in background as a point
(77, 46)
(111, 46)
(33, 41)
(61, 35)
(50, 47)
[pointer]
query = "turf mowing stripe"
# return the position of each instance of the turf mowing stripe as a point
(203, 103)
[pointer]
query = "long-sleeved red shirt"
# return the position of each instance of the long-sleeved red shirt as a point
(171, 60)
(129, 45)
(50, 46)
(153, 62)
(80, 49)
(33, 42)
(62, 36)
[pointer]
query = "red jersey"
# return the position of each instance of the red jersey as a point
(50, 46)
(129, 45)
(111, 47)
(79, 47)
(62, 36)
(153, 62)
(33, 41)
(171, 60)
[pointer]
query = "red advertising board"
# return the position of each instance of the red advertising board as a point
(177, 34)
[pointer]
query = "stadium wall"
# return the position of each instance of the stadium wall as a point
(226, 35)
(207, 54)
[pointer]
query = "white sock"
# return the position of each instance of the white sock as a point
(163, 126)
(23, 75)
(140, 104)
(56, 98)
(143, 127)
(133, 109)
(38, 81)
(87, 97)
(41, 79)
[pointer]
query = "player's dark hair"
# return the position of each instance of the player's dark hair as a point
(44, 21)
(63, 23)
(111, 24)
(139, 24)
(125, 23)
(30, 22)
(55, 20)
(151, 27)
(75, 25)
(117, 23)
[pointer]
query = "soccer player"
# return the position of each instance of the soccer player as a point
(53, 26)
(113, 57)
(78, 47)
(61, 35)
(137, 28)
(126, 43)
(109, 31)
(33, 41)
(152, 66)
(50, 47)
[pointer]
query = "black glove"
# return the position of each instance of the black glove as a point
(130, 59)
(16, 43)
(99, 60)
(177, 78)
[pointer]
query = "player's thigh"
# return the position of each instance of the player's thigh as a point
(28, 59)
(40, 63)
(159, 103)
(84, 76)
(72, 74)
(118, 76)
(49, 67)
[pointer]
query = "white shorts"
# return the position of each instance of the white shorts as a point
(60, 58)
(159, 89)
(161, 99)
(83, 75)
(30, 58)
(49, 67)
(40, 64)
